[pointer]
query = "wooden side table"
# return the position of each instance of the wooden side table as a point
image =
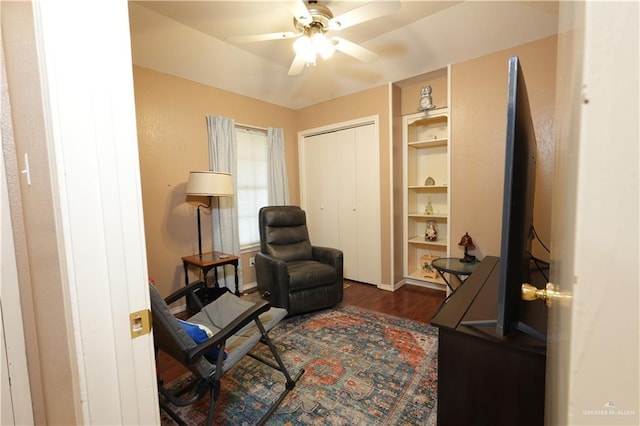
(209, 261)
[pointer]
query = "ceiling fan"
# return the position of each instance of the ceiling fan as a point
(312, 21)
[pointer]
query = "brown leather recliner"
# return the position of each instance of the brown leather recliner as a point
(291, 273)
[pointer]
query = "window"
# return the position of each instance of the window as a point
(252, 183)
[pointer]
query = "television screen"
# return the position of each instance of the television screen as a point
(518, 198)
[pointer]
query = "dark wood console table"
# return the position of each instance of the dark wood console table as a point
(484, 379)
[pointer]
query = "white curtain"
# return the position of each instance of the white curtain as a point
(277, 168)
(223, 158)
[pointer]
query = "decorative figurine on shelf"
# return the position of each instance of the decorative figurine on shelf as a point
(467, 242)
(425, 100)
(429, 181)
(431, 231)
(428, 209)
(428, 271)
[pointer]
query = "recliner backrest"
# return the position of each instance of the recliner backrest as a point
(284, 234)
(169, 336)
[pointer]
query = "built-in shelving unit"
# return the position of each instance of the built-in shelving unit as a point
(426, 149)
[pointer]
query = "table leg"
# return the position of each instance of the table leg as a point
(445, 280)
(235, 269)
(205, 271)
(186, 275)
(215, 276)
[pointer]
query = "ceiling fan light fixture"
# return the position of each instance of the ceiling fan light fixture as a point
(303, 46)
(322, 45)
(312, 22)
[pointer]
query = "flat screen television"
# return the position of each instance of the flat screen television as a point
(517, 208)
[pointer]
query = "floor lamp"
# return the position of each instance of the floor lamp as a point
(208, 184)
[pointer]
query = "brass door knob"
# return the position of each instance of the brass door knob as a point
(548, 294)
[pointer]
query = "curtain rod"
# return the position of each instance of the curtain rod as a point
(246, 126)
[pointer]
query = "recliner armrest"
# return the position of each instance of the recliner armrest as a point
(278, 266)
(272, 274)
(329, 255)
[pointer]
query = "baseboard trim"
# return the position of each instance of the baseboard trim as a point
(387, 287)
(249, 286)
(426, 284)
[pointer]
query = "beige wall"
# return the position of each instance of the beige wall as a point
(478, 116)
(173, 140)
(363, 104)
(478, 129)
(172, 137)
(410, 94)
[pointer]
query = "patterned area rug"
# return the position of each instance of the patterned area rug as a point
(361, 368)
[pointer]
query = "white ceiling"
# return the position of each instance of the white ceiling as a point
(188, 39)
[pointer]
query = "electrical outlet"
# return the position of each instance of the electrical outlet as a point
(252, 261)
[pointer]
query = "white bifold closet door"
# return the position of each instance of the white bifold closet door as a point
(341, 196)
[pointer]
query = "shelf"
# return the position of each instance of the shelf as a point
(417, 275)
(426, 150)
(428, 117)
(420, 240)
(432, 143)
(428, 187)
(427, 216)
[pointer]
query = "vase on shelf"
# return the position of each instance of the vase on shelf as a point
(431, 231)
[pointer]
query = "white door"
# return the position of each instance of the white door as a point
(321, 186)
(84, 91)
(347, 201)
(359, 203)
(593, 361)
(340, 191)
(367, 182)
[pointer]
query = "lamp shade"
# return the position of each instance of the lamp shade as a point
(212, 184)
(467, 242)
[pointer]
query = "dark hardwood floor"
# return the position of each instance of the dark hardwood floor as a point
(411, 302)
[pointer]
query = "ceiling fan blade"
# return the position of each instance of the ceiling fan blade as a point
(352, 49)
(300, 12)
(297, 65)
(263, 37)
(364, 13)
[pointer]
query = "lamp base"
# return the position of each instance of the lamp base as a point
(468, 258)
